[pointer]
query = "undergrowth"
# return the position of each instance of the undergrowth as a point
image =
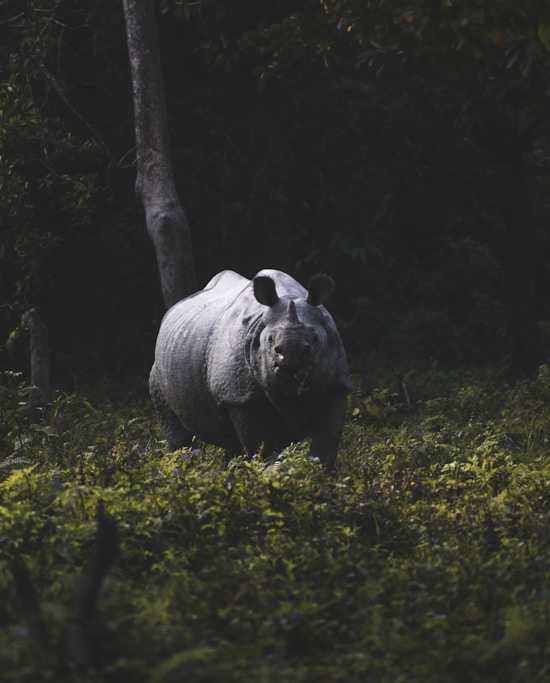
(426, 557)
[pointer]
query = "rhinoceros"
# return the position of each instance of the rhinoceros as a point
(252, 364)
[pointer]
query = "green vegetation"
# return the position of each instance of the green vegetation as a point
(424, 558)
(401, 147)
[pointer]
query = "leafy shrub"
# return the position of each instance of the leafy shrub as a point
(424, 557)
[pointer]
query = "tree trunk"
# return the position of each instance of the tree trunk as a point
(40, 365)
(166, 221)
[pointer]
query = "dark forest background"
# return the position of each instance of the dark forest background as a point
(401, 147)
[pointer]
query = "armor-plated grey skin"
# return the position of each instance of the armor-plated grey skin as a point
(243, 363)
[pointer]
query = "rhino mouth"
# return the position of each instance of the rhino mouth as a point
(290, 381)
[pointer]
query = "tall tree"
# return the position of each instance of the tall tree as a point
(166, 221)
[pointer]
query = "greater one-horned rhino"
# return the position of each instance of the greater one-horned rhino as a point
(243, 363)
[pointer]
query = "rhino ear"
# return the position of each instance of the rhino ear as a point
(264, 290)
(320, 288)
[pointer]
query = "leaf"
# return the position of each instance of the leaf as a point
(47, 430)
(372, 408)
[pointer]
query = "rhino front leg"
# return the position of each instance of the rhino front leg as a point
(176, 435)
(250, 425)
(327, 429)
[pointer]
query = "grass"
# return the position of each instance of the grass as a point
(425, 558)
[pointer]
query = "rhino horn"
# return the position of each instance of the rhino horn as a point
(291, 315)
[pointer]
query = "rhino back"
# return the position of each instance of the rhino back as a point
(182, 356)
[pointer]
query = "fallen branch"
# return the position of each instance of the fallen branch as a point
(78, 644)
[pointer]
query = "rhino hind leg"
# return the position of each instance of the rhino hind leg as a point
(174, 432)
(176, 435)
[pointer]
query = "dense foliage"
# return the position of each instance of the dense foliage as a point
(425, 557)
(401, 147)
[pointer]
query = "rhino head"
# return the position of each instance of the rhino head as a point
(291, 345)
